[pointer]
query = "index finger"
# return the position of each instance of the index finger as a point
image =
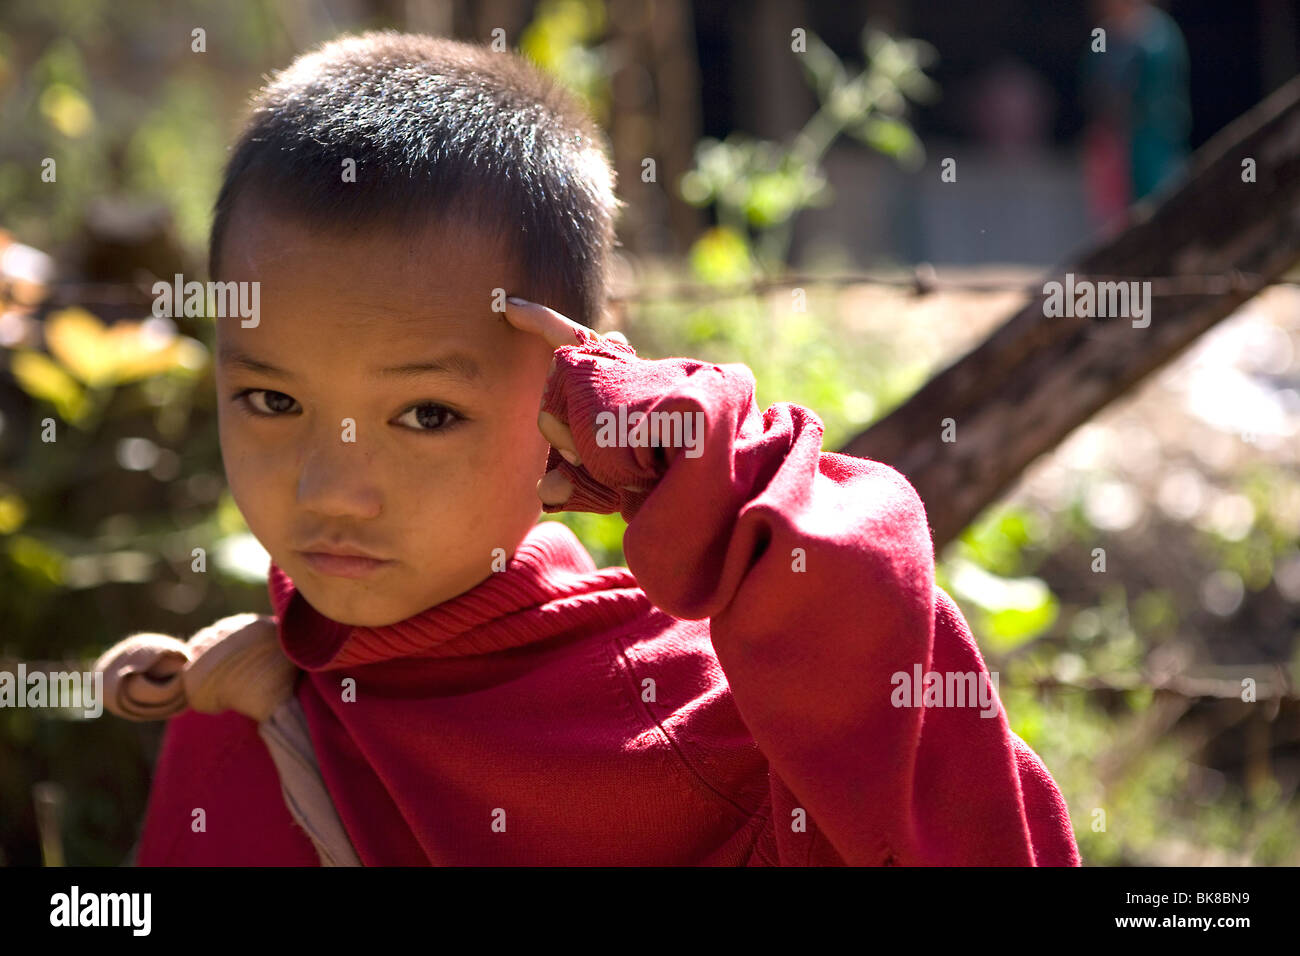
(550, 325)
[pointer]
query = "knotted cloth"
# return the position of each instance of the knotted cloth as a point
(235, 664)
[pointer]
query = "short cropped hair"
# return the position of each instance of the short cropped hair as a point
(440, 131)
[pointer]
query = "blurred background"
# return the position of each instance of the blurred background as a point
(776, 158)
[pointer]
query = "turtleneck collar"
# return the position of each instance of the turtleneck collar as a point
(550, 586)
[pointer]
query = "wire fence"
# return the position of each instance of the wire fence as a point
(925, 281)
(922, 281)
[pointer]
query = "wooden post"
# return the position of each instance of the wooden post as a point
(1035, 379)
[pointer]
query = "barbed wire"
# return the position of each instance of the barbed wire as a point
(922, 281)
(1183, 685)
(925, 281)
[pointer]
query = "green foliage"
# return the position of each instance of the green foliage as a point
(95, 544)
(1008, 612)
(602, 535)
(757, 187)
(117, 125)
(983, 573)
(561, 39)
(752, 182)
(172, 154)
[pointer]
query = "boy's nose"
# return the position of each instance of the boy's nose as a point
(336, 479)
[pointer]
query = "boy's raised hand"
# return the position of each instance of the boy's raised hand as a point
(550, 325)
(558, 331)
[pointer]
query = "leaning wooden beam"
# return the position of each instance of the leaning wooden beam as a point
(1037, 378)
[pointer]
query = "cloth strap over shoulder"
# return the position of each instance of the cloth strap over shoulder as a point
(235, 664)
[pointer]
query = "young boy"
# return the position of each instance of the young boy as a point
(477, 691)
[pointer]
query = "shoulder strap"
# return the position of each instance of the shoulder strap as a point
(235, 664)
(286, 736)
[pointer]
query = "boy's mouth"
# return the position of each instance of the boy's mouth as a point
(341, 562)
(342, 566)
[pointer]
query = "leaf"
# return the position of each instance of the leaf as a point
(76, 339)
(13, 512)
(773, 197)
(721, 256)
(822, 67)
(890, 136)
(696, 189)
(1014, 610)
(126, 352)
(67, 110)
(37, 558)
(1011, 627)
(43, 379)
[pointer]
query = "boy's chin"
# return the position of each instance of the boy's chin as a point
(374, 601)
(359, 610)
(362, 617)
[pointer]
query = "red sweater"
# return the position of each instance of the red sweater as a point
(730, 699)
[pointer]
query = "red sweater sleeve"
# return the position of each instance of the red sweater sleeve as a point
(219, 764)
(816, 571)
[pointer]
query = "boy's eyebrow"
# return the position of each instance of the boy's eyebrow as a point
(230, 356)
(458, 364)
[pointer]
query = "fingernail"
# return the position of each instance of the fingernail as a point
(515, 300)
(570, 457)
(561, 491)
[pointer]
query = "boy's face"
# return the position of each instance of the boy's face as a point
(429, 470)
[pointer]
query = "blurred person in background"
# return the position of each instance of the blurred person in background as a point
(1137, 94)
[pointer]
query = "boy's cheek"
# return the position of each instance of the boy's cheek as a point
(519, 445)
(252, 479)
(249, 499)
(238, 449)
(537, 447)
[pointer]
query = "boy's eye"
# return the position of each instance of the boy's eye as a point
(425, 417)
(273, 403)
(429, 417)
